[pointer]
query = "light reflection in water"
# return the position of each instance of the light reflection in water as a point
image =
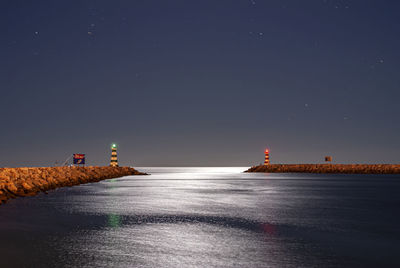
(114, 221)
(268, 228)
(208, 217)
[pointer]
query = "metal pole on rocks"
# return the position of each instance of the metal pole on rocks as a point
(66, 161)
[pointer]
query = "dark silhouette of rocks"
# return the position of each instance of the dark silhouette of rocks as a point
(327, 168)
(17, 182)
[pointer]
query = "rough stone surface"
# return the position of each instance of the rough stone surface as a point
(16, 182)
(327, 168)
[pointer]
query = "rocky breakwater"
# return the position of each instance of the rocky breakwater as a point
(16, 182)
(327, 168)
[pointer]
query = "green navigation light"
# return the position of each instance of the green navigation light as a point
(114, 145)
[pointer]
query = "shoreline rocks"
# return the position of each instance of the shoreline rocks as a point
(18, 182)
(328, 168)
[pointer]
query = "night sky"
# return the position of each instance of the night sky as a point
(199, 83)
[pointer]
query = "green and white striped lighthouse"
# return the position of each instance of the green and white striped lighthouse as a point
(114, 159)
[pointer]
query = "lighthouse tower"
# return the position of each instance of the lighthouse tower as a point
(266, 161)
(114, 159)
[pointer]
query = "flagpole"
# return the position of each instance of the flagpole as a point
(69, 157)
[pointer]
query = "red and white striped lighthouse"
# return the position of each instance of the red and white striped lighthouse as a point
(266, 161)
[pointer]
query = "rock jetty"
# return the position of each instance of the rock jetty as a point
(16, 182)
(327, 168)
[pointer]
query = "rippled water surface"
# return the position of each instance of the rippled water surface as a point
(208, 217)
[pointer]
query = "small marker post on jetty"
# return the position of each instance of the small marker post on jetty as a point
(266, 161)
(114, 159)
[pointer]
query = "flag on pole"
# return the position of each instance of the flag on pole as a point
(79, 159)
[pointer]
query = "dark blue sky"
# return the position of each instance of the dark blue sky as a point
(198, 83)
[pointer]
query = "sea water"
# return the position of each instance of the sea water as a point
(208, 217)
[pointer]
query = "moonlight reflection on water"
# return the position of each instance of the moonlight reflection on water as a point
(208, 217)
